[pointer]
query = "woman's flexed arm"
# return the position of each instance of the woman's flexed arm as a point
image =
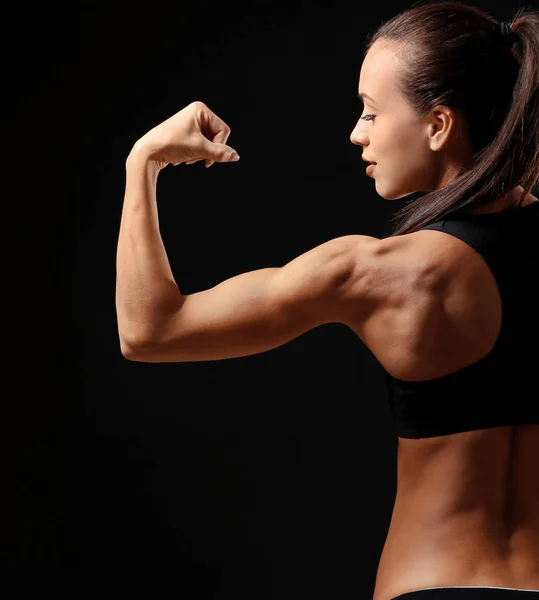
(246, 314)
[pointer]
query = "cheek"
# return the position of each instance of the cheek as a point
(404, 151)
(406, 139)
(401, 158)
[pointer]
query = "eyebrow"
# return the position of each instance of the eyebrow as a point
(363, 95)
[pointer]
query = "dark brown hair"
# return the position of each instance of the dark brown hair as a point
(453, 54)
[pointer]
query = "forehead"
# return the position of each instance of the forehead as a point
(378, 71)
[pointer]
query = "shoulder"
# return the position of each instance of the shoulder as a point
(394, 273)
(355, 275)
(436, 306)
(425, 304)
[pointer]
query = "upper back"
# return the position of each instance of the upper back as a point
(460, 333)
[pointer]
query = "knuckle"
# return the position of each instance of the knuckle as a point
(198, 104)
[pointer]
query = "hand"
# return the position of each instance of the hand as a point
(192, 134)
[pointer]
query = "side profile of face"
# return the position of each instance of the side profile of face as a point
(411, 154)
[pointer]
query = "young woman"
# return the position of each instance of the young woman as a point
(447, 303)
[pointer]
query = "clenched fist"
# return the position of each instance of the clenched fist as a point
(194, 133)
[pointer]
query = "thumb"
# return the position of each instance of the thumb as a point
(223, 153)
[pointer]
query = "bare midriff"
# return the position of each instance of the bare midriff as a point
(466, 513)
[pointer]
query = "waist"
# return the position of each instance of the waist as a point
(461, 550)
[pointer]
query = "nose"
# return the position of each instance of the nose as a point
(358, 137)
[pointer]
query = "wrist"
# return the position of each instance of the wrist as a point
(141, 157)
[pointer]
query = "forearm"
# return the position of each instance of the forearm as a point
(146, 293)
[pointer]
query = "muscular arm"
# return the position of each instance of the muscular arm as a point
(246, 314)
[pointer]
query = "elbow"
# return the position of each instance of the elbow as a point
(128, 351)
(131, 349)
(139, 350)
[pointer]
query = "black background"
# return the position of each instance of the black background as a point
(270, 476)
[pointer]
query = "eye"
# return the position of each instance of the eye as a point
(368, 117)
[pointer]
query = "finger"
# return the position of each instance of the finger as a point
(221, 138)
(214, 130)
(210, 124)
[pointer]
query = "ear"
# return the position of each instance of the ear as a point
(442, 122)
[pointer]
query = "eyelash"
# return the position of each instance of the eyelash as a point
(365, 118)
